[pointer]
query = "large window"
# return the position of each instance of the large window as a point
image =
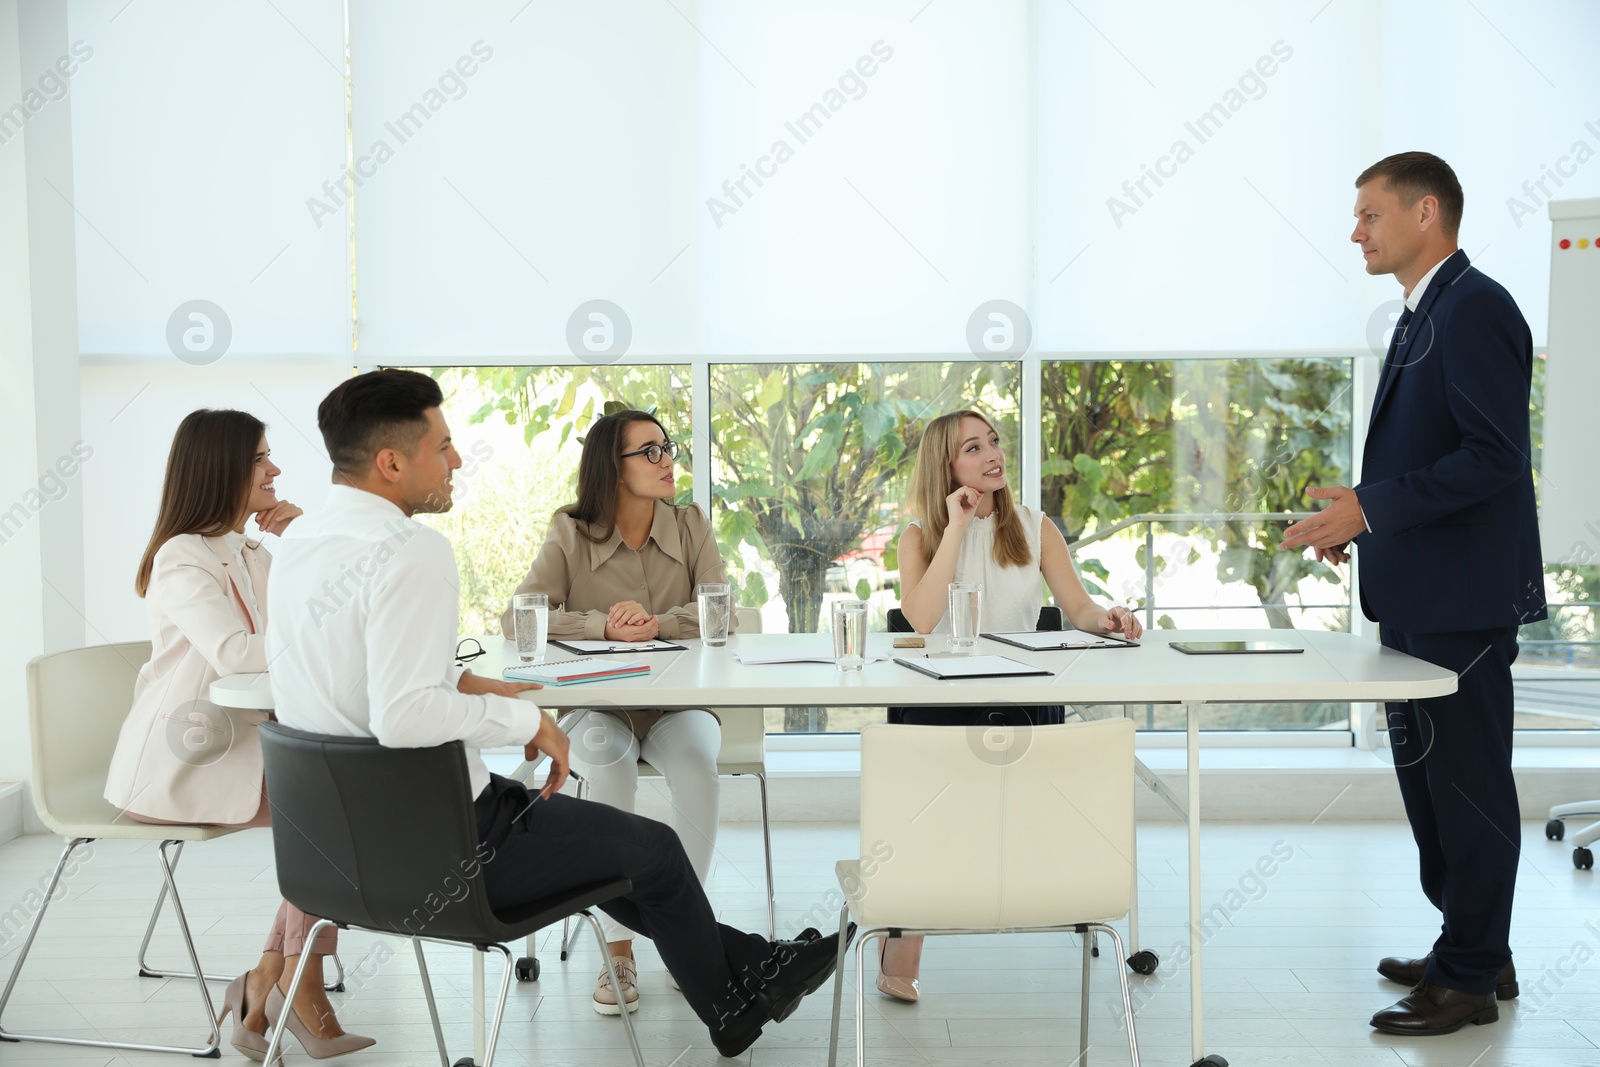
(519, 431)
(1171, 475)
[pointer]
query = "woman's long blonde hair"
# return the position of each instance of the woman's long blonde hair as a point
(932, 480)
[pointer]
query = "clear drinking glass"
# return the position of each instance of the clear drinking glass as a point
(966, 613)
(716, 605)
(530, 621)
(849, 634)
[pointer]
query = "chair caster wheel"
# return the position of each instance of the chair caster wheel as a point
(527, 969)
(1144, 962)
(564, 955)
(1582, 859)
(1555, 829)
(465, 1061)
(1212, 1060)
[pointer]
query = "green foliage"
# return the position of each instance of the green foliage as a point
(811, 457)
(514, 481)
(1204, 436)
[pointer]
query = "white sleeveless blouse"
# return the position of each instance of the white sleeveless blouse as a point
(1012, 596)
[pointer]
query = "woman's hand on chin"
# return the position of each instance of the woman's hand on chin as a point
(276, 519)
(961, 506)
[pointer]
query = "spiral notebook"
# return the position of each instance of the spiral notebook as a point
(575, 671)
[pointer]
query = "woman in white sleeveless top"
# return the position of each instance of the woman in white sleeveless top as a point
(966, 528)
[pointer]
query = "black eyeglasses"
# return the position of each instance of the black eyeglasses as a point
(468, 649)
(653, 452)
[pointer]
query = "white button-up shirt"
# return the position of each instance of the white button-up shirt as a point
(365, 607)
(1414, 297)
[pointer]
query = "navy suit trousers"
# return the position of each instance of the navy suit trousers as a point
(1453, 758)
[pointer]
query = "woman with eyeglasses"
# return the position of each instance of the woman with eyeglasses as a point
(622, 565)
(182, 759)
(966, 527)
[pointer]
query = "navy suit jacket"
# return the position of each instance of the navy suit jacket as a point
(1447, 479)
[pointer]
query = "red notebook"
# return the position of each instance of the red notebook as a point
(575, 671)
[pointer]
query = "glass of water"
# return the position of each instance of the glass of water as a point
(716, 605)
(966, 614)
(849, 634)
(530, 619)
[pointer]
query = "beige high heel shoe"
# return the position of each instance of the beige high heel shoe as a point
(247, 1042)
(898, 986)
(318, 1048)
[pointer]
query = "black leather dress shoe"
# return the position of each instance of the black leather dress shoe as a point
(1433, 1009)
(795, 970)
(1409, 972)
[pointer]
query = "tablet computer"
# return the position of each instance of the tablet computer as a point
(1231, 648)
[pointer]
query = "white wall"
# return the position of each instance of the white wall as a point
(129, 413)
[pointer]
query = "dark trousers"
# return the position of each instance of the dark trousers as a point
(1453, 758)
(542, 847)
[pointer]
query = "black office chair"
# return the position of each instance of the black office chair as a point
(385, 839)
(1050, 618)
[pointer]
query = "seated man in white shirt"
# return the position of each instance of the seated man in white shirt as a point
(365, 609)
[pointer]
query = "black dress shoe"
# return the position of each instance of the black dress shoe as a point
(1433, 1009)
(795, 970)
(1409, 972)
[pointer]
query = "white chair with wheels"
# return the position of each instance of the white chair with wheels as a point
(77, 701)
(1017, 831)
(1556, 829)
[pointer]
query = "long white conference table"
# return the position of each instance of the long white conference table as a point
(1334, 667)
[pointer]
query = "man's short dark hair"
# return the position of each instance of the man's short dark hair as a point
(1410, 175)
(380, 409)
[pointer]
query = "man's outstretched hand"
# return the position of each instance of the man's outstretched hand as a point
(1330, 530)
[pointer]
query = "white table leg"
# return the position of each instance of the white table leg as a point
(1192, 771)
(1133, 900)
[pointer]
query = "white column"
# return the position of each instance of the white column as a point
(51, 246)
(21, 635)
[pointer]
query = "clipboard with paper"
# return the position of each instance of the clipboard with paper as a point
(1062, 640)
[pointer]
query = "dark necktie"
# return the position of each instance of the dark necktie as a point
(1395, 340)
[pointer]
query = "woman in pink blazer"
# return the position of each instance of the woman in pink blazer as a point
(181, 758)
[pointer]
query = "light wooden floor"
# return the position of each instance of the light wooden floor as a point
(1289, 964)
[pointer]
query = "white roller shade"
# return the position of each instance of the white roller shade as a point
(199, 132)
(1203, 174)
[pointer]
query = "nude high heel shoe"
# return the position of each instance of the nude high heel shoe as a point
(899, 986)
(318, 1048)
(247, 1042)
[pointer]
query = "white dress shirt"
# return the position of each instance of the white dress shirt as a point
(365, 609)
(1414, 297)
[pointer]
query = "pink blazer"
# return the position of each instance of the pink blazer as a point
(181, 758)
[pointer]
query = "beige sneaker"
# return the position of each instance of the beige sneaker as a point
(605, 998)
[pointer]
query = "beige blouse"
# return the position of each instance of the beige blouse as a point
(583, 579)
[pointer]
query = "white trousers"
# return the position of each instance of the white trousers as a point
(683, 746)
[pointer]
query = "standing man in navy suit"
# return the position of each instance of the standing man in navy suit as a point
(1450, 567)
